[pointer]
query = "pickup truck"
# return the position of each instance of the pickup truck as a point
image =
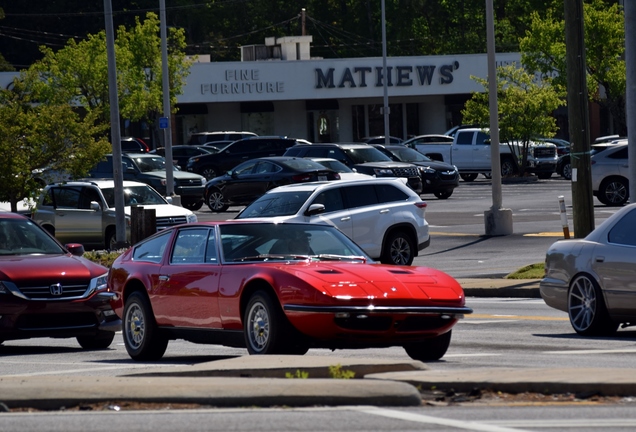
(469, 151)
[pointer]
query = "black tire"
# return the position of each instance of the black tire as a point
(429, 349)
(101, 340)
(399, 249)
(216, 201)
(614, 191)
(468, 177)
(193, 206)
(265, 327)
(544, 175)
(209, 172)
(111, 239)
(566, 171)
(587, 310)
(443, 194)
(507, 167)
(142, 337)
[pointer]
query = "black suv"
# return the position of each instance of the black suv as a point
(216, 164)
(364, 158)
(438, 178)
(151, 169)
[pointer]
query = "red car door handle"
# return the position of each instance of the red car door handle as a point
(164, 277)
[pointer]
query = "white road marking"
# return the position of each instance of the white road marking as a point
(420, 418)
(607, 351)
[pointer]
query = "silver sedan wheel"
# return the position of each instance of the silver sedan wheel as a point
(586, 308)
(258, 327)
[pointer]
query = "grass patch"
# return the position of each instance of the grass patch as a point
(532, 271)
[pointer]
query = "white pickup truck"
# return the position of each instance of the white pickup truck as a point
(470, 152)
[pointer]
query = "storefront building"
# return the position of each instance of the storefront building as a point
(287, 92)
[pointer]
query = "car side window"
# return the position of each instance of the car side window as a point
(264, 167)
(482, 138)
(389, 193)
(68, 198)
(245, 168)
(89, 194)
(331, 199)
(189, 247)
(465, 138)
(240, 147)
(152, 250)
(623, 232)
(360, 196)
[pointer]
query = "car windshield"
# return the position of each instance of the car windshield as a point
(363, 155)
(147, 164)
(407, 154)
(25, 237)
(259, 242)
(275, 204)
(141, 195)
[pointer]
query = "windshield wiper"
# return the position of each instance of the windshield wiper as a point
(265, 257)
(334, 257)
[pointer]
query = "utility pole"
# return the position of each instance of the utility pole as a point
(578, 115)
(115, 134)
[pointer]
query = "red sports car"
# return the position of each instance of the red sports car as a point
(277, 288)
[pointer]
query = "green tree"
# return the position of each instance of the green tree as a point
(78, 72)
(525, 107)
(37, 136)
(543, 51)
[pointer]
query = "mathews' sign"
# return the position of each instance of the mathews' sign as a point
(399, 76)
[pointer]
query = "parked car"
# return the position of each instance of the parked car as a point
(134, 145)
(438, 178)
(382, 215)
(181, 153)
(594, 279)
(610, 174)
(84, 211)
(217, 146)
(277, 288)
(253, 178)
(364, 158)
(381, 140)
(49, 290)
(427, 139)
(214, 165)
(345, 172)
(564, 164)
(201, 138)
(151, 169)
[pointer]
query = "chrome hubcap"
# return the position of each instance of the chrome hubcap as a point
(582, 304)
(135, 326)
(258, 326)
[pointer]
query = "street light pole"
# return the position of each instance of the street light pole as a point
(385, 79)
(166, 101)
(497, 220)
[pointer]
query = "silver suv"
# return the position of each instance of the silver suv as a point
(84, 211)
(384, 216)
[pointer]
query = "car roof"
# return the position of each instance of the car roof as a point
(311, 186)
(100, 183)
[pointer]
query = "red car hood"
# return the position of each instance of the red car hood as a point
(47, 269)
(344, 280)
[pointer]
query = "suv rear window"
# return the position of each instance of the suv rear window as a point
(275, 204)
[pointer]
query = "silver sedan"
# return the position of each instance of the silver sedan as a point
(594, 279)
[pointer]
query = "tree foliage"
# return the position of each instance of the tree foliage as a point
(525, 104)
(57, 116)
(78, 72)
(34, 136)
(544, 51)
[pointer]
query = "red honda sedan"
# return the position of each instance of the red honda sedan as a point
(277, 288)
(47, 290)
